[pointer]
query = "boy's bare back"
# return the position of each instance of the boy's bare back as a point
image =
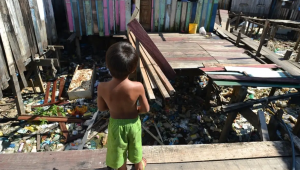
(120, 97)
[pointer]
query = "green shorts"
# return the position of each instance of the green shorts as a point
(123, 135)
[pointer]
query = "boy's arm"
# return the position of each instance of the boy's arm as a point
(144, 105)
(100, 101)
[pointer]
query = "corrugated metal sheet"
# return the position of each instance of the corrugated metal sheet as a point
(224, 4)
(258, 8)
(289, 11)
(113, 15)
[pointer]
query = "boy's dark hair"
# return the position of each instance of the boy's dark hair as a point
(121, 60)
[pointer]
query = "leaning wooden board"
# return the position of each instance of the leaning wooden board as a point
(143, 37)
(162, 8)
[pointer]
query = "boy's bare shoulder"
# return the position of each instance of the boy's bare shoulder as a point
(137, 85)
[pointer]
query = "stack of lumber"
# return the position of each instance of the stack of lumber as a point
(151, 73)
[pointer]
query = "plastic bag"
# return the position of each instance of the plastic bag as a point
(202, 31)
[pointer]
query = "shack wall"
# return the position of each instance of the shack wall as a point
(259, 8)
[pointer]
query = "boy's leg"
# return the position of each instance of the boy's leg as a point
(141, 165)
(123, 167)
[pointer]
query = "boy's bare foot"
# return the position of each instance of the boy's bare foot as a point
(141, 165)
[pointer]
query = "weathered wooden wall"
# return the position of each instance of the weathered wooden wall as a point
(108, 17)
(224, 4)
(259, 8)
(26, 28)
(290, 11)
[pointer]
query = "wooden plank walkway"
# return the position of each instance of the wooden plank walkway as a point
(244, 156)
(185, 51)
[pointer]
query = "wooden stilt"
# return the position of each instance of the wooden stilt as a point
(298, 56)
(208, 93)
(273, 32)
(272, 92)
(263, 36)
(227, 24)
(263, 129)
(14, 84)
(32, 84)
(247, 30)
(238, 21)
(39, 79)
(288, 54)
(297, 43)
(238, 39)
(239, 94)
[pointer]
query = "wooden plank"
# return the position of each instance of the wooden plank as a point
(106, 17)
(156, 16)
(14, 84)
(42, 19)
(151, 80)
(51, 21)
(198, 12)
(138, 5)
(213, 16)
(76, 14)
(168, 15)
(36, 28)
(11, 44)
(82, 16)
(211, 152)
(188, 16)
(177, 18)
(185, 64)
(69, 15)
(34, 5)
(50, 119)
(254, 79)
(18, 26)
(54, 87)
(128, 10)
(111, 17)
(204, 13)
(183, 16)
(162, 8)
(117, 15)
(145, 40)
(94, 16)
(146, 81)
(100, 15)
(150, 67)
(172, 15)
(88, 131)
(263, 130)
(87, 9)
(163, 78)
(208, 14)
(122, 16)
(47, 92)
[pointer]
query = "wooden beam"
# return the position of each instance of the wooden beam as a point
(254, 79)
(247, 29)
(32, 84)
(238, 39)
(239, 94)
(273, 32)
(39, 79)
(14, 84)
(148, 44)
(263, 130)
(243, 29)
(263, 36)
(50, 119)
(47, 62)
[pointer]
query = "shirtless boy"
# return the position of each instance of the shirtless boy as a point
(120, 96)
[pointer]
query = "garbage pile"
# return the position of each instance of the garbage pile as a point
(281, 46)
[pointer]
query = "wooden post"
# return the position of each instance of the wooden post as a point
(263, 36)
(14, 84)
(258, 30)
(208, 93)
(288, 54)
(297, 43)
(252, 27)
(238, 21)
(32, 84)
(298, 56)
(247, 30)
(263, 129)
(244, 26)
(227, 24)
(39, 79)
(273, 31)
(238, 39)
(239, 94)
(78, 52)
(272, 92)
